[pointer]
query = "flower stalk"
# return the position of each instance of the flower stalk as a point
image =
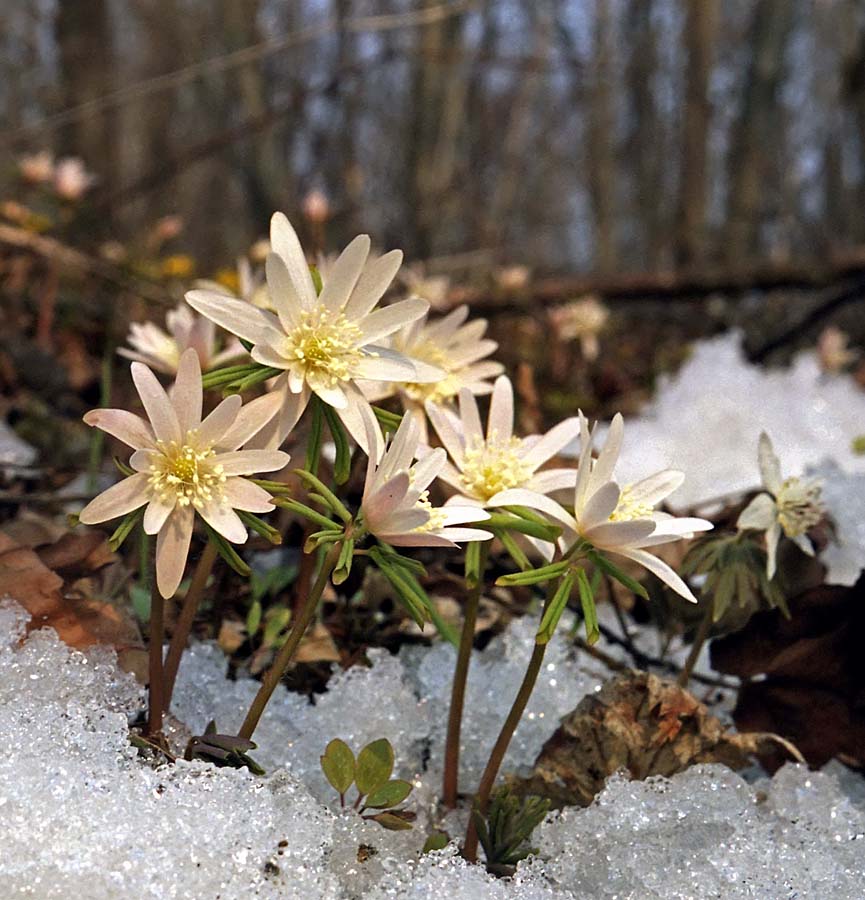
(155, 700)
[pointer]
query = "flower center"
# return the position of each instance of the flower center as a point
(436, 519)
(325, 345)
(799, 506)
(492, 466)
(438, 391)
(628, 509)
(186, 475)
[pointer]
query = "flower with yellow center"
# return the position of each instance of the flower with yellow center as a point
(161, 351)
(484, 464)
(611, 519)
(791, 506)
(396, 507)
(324, 343)
(450, 346)
(185, 465)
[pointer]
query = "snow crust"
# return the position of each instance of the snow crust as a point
(82, 815)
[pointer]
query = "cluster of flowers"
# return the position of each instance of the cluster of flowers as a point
(328, 337)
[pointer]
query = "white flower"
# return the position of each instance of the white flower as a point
(792, 505)
(37, 168)
(324, 343)
(71, 178)
(450, 346)
(581, 320)
(161, 351)
(396, 507)
(485, 464)
(613, 519)
(432, 288)
(184, 465)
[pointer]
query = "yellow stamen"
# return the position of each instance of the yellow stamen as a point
(628, 509)
(325, 344)
(184, 474)
(492, 466)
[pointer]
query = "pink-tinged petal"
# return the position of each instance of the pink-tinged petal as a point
(296, 378)
(470, 419)
(223, 519)
(522, 497)
(611, 535)
(657, 487)
(248, 462)
(172, 548)
(382, 502)
(463, 356)
(384, 364)
(417, 539)
(268, 356)
(449, 474)
(399, 455)
(803, 542)
(344, 274)
(770, 467)
(549, 480)
(660, 569)
(118, 500)
(448, 428)
(447, 326)
(142, 460)
(217, 423)
(405, 520)
(600, 506)
(424, 373)
(284, 241)
(372, 284)
(237, 316)
(602, 470)
(428, 468)
(552, 442)
(584, 467)
(280, 289)
(332, 395)
(158, 407)
(501, 418)
(389, 319)
(248, 430)
(187, 395)
(680, 527)
(242, 494)
(456, 514)
(125, 426)
(155, 515)
(357, 418)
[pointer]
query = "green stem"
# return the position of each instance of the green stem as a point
(696, 647)
(450, 781)
(97, 437)
(286, 653)
(186, 618)
(157, 627)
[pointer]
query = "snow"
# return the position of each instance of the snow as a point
(81, 813)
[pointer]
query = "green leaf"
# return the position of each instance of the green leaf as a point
(534, 576)
(125, 528)
(391, 821)
(374, 766)
(392, 793)
(615, 572)
(316, 278)
(438, 840)
(514, 551)
(253, 618)
(259, 526)
(125, 469)
(590, 612)
(504, 521)
(326, 493)
(389, 421)
(343, 564)
(337, 763)
(555, 608)
(313, 443)
(307, 512)
(276, 621)
(342, 463)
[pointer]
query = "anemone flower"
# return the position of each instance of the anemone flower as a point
(161, 351)
(450, 345)
(789, 505)
(618, 520)
(326, 342)
(184, 465)
(396, 507)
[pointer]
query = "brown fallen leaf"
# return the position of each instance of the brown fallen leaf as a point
(317, 646)
(639, 722)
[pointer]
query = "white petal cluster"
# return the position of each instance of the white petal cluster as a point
(185, 464)
(324, 343)
(790, 506)
(396, 507)
(615, 519)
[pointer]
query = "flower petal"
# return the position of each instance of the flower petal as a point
(344, 274)
(549, 480)
(373, 282)
(280, 289)
(158, 407)
(661, 569)
(172, 548)
(381, 503)
(384, 364)
(285, 243)
(657, 487)
(760, 514)
(388, 319)
(119, 499)
(222, 518)
(500, 422)
(611, 535)
(187, 393)
(253, 417)
(125, 426)
(220, 420)
(155, 515)
(248, 462)
(236, 316)
(600, 506)
(553, 441)
(602, 470)
(242, 494)
(448, 429)
(523, 497)
(357, 417)
(773, 535)
(276, 430)
(470, 418)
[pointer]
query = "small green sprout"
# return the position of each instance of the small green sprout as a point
(370, 774)
(503, 833)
